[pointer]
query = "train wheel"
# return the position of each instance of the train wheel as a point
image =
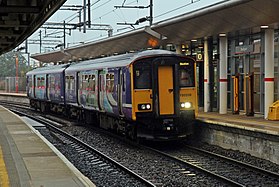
(131, 132)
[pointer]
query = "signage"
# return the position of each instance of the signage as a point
(199, 57)
(244, 49)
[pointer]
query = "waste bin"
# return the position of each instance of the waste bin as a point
(273, 113)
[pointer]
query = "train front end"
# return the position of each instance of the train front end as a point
(164, 96)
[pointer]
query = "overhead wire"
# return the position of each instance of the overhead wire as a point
(165, 13)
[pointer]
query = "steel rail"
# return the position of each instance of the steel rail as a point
(85, 145)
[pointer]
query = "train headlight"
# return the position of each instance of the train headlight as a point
(186, 105)
(146, 106)
(143, 107)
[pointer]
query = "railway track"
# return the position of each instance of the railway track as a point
(225, 168)
(174, 167)
(106, 170)
(155, 170)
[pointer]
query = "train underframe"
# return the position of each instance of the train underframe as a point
(165, 127)
(148, 127)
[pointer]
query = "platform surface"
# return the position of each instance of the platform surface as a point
(27, 159)
(241, 121)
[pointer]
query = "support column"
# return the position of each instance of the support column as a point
(178, 49)
(269, 70)
(206, 78)
(223, 75)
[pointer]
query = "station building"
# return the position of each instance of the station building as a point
(237, 72)
(235, 43)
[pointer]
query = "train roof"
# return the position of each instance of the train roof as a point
(49, 69)
(115, 61)
(100, 63)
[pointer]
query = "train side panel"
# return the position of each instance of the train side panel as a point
(87, 89)
(40, 86)
(30, 86)
(70, 88)
(111, 92)
(55, 87)
(126, 93)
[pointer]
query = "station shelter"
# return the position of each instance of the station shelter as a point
(237, 72)
(235, 44)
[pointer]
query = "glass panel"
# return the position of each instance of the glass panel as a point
(142, 75)
(257, 103)
(187, 76)
(257, 82)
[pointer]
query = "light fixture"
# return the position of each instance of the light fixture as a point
(222, 34)
(194, 40)
(264, 26)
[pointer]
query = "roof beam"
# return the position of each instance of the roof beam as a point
(20, 9)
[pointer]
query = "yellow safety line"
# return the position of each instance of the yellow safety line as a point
(4, 178)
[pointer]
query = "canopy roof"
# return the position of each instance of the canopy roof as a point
(243, 16)
(20, 18)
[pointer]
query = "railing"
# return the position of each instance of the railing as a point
(13, 84)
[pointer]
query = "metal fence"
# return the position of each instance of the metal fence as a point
(13, 84)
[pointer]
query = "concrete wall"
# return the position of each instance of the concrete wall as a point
(257, 144)
(21, 98)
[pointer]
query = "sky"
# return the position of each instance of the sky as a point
(104, 12)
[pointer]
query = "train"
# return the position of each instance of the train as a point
(149, 95)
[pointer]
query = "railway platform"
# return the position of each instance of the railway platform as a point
(250, 134)
(28, 159)
(241, 121)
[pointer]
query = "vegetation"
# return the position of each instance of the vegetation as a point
(8, 65)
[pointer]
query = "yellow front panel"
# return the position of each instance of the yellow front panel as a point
(189, 95)
(142, 97)
(165, 83)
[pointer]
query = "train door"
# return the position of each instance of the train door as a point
(166, 90)
(101, 88)
(48, 82)
(120, 91)
(79, 87)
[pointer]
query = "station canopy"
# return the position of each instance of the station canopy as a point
(232, 17)
(20, 18)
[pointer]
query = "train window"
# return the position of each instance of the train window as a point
(38, 82)
(187, 75)
(92, 82)
(84, 82)
(52, 82)
(123, 82)
(30, 83)
(71, 82)
(142, 75)
(67, 83)
(43, 82)
(110, 82)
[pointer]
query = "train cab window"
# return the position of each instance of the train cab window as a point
(187, 75)
(142, 75)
